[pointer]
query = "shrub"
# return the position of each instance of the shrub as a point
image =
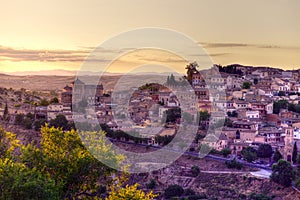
(173, 191)
(151, 184)
(195, 170)
(233, 164)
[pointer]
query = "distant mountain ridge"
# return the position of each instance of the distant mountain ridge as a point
(62, 72)
(58, 72)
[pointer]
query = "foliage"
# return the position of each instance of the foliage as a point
(282, 173)
(44, 102)
(233, 164)
(19, 119)
(232, 114)
(65, 160)
(195, 171)
(231, 69)
(254, 196)
(246, 85)
(281, 104)
(163, 140)
(61, 168)
(59, 122)
(277, 156)
(264, 151)
(54, 100)
(37, 124)
(129, 193)
(225, 152)
(173, 191)
(295, 153)
(25, 121)
(8, 143)
(151, 184)
(294, 107)
(5, 110)
(249, 154)
(228, 122)
(20, 182)
(191, 69)
(204, 116)
(172, 114)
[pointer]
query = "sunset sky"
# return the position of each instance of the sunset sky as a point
(59, 34)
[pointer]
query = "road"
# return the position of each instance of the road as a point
(194, 154)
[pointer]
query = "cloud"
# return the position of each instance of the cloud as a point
(218, 45)
(42, 55)
(230, 45)
(210, 54)
(163, 60)
(53, 55)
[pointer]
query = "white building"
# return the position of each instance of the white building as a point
(252, 114)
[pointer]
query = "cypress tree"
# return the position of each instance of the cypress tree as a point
(295, 153)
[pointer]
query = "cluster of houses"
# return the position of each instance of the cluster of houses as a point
(249, 107)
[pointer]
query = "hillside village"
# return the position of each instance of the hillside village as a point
(261, 107)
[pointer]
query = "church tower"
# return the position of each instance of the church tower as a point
(288, 144)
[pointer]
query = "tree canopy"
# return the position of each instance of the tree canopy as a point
(60, 167)
(282, 173)
(264, 151)
(249, 154)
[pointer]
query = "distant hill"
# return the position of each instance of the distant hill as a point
(56, 72)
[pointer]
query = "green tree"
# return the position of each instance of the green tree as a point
(5, 111)
(249, 154)
(233, 164)
(277, 156)
(59, 122)
(151, 184)
(246, 85)
(264, 151)
(173, 191)
(54, 100)
(8, 142)
(282, 173)
(44, 102)
(228, 122)
(281, 104)
(19, 119)
(19, 182)
(191, 69)
(172, 114)
(37, 124)
(254, 196)
(225, 152)
(204, 116)
(295, 153)
(27, 123)
(195, 171)
(64, 159)
(129, 193)
(232, 114)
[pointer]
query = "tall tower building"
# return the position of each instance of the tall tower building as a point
(288, 144)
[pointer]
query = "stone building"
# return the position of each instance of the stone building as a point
(288, 144)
